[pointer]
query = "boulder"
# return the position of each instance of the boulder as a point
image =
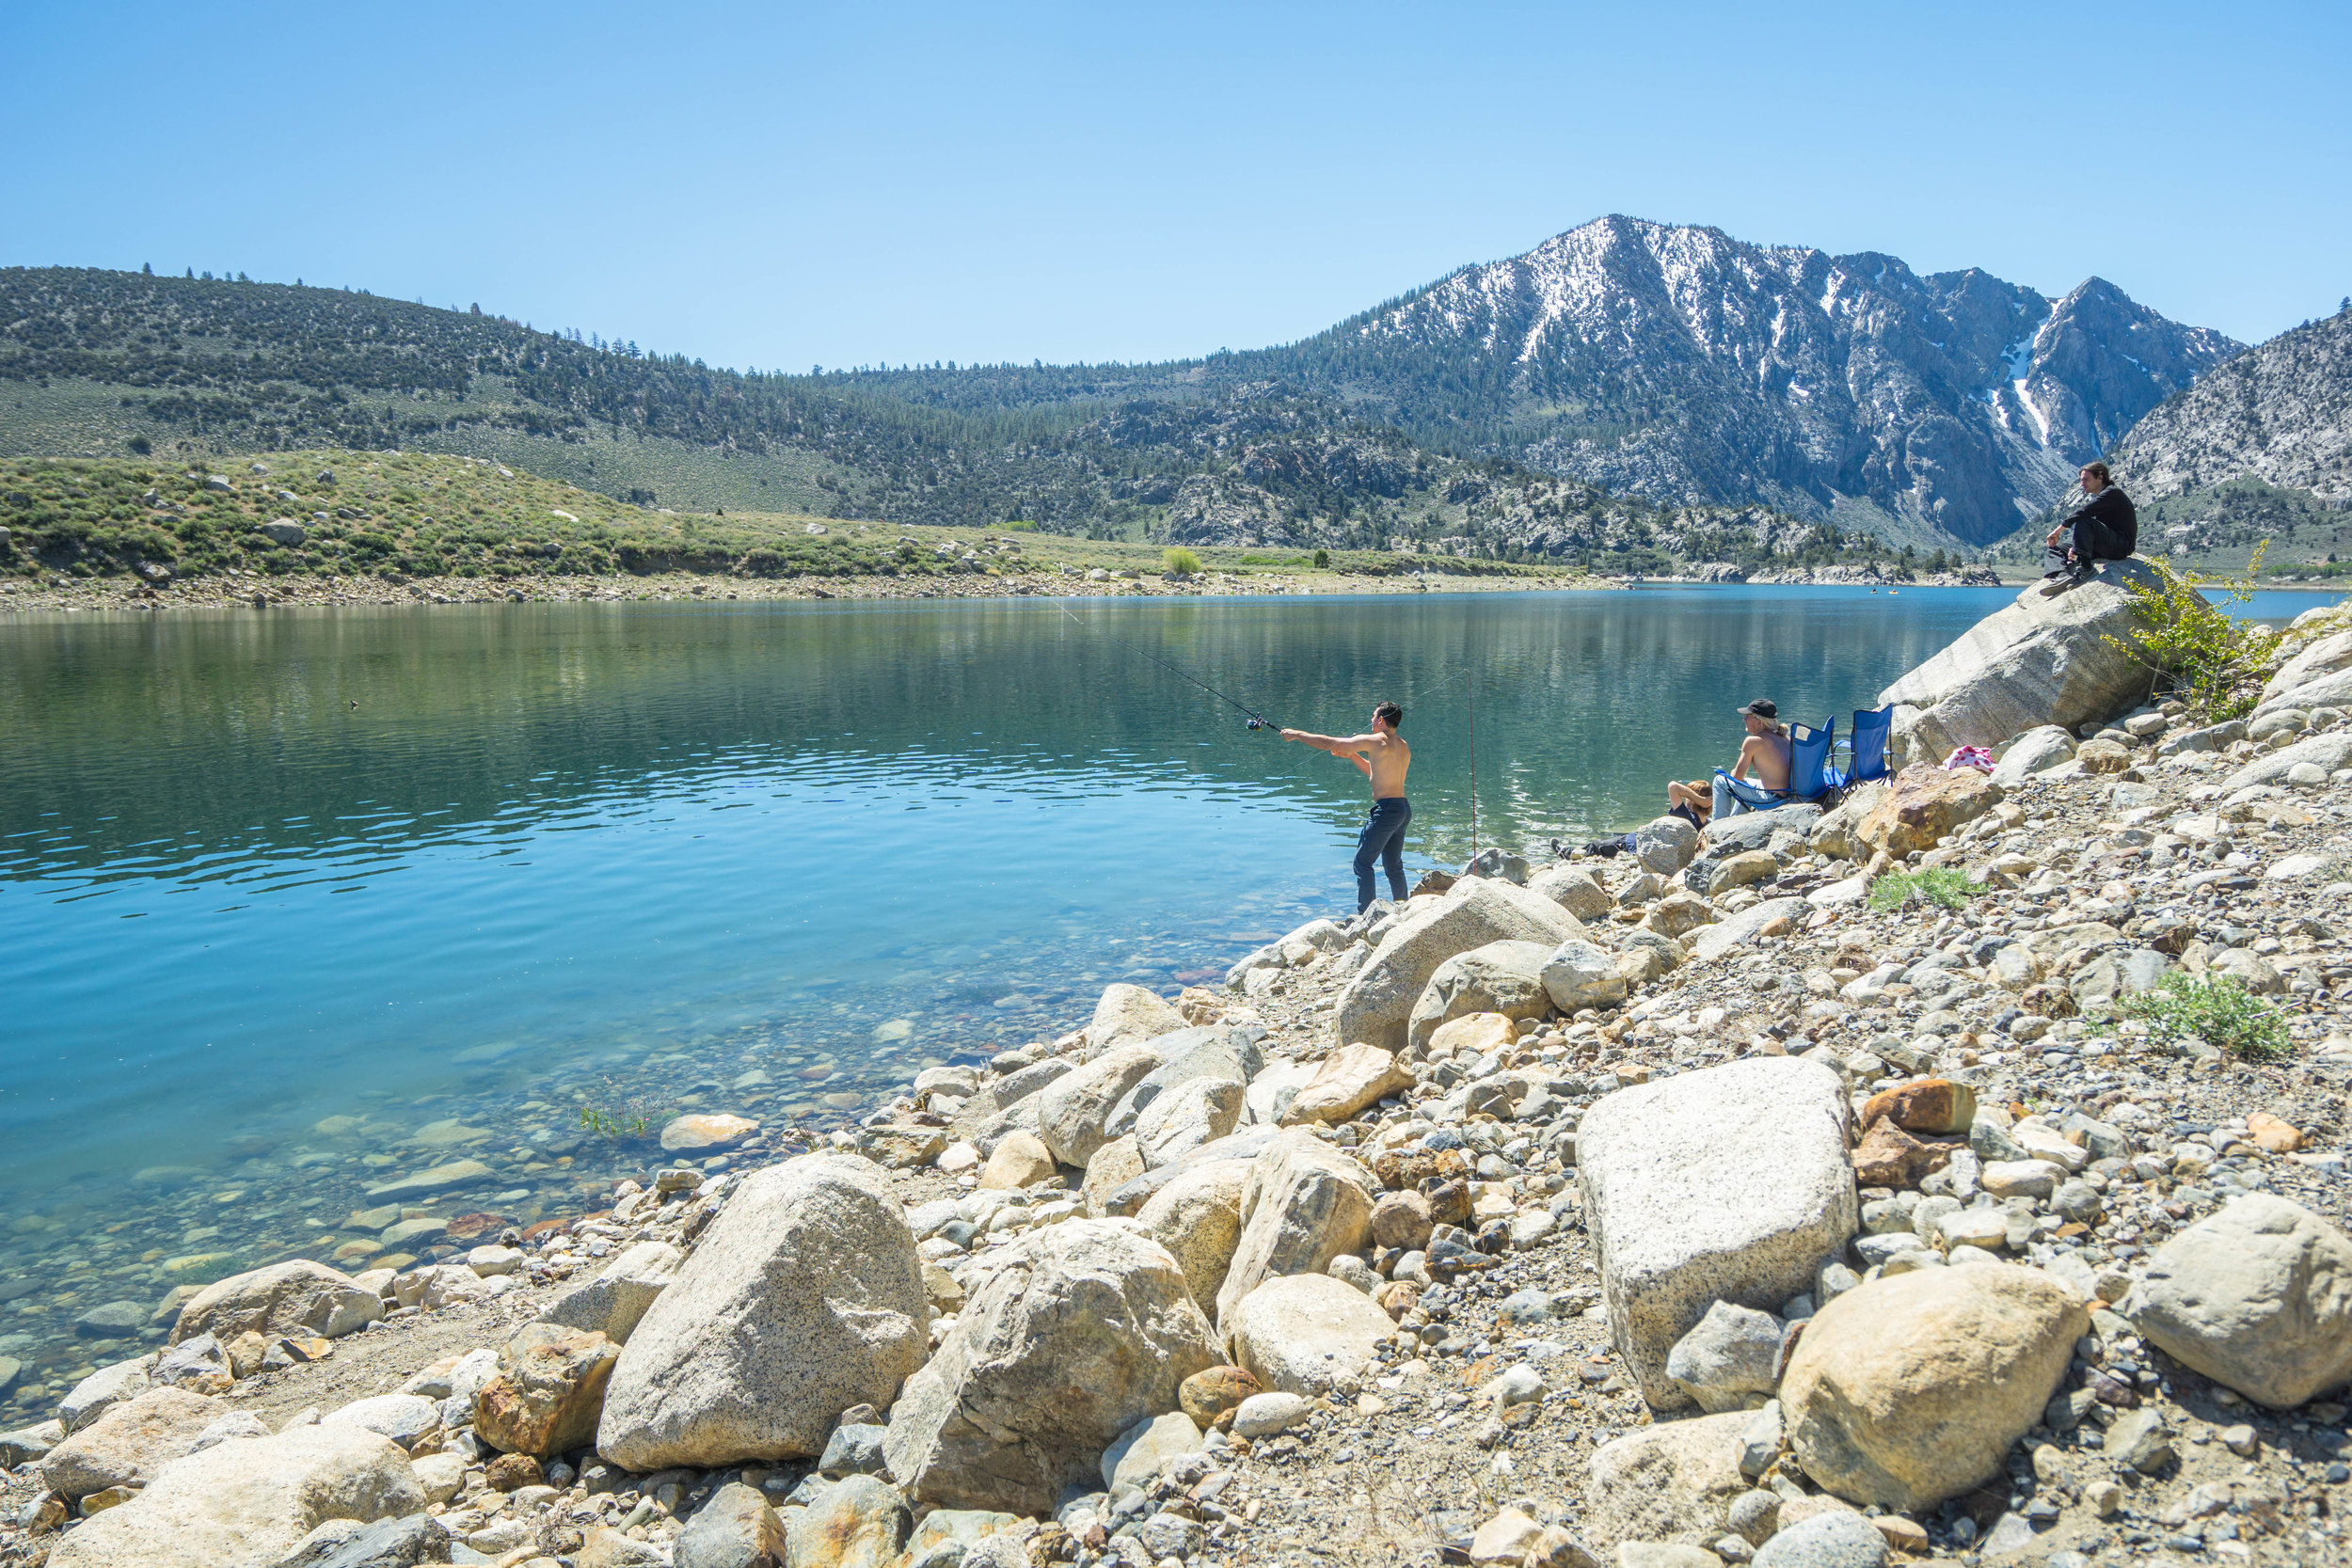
(1348, 1080)
(2037, 751)
(1504, 978)
(1074, 1334)
(1926, 804)
(1934, 1106)
(1729, 1183)
(1197, 1217)
(248, 1504)
(700, 1133)
(1476, 1032)
(1834, 1538)
(2041, 660)
(1403, 1220)
(549, 1391)
(1577, 973)
(1757, 921)
(1376, 1006)
(1073, 1112)
(1746, 831)
(104, 1389)
(615, 1300)
(1182, 1120)
(1209, 1397)
(299, 1298)
(405, 1419)
(1573, 889)
(1128, 1015)
(1671, 1482)
(1135, 1458)
(1186, 1056)
(1732, 1354)
(857, 1522)
(2257, 1296)
(417, 1538)
(803, 1298)
(735, 1528)
(1245, 1143)
(1116, 1164)
(1301, 1334)
(129, 1444)
(1911, 1388)
(1021, 1161)
(2326, 752)
(1665, 845)
(2322, 657)
(1306, 1202)
(1677, 913)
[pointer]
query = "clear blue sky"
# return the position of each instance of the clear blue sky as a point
(778, 185)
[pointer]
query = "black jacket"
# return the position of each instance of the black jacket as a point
(2117, 525)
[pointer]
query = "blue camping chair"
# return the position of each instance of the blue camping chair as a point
(1867, 752)
(1810, 775)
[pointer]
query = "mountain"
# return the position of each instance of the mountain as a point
(1616, 375)
(1681, 364)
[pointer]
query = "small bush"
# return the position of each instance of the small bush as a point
(1021, 525)
(1181, 559)
(2214, 1008)
(2213, 661)
(1323, 558)
(1945, 887)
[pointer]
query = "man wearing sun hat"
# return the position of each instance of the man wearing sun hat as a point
(1761, 771)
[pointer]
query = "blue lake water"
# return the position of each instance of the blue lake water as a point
(449, 873)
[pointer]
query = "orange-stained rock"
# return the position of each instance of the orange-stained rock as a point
(1890, 1157)
(1211, 1397)
(1926, 804)
(1924, 1105)
(2278, 1136)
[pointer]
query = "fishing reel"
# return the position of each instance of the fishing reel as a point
(1257, 724)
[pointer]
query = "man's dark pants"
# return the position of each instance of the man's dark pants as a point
(1382, 840)
(2093, 540)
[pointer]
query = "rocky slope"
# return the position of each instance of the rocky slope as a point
(1692, 1207)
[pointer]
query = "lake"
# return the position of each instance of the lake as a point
(294, 901)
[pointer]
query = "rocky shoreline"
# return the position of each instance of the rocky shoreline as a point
(1691, 1207)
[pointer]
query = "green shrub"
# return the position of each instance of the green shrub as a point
(2211, 661)
(1021, 525)
(1181, 559)
(1945, 887)
(1323, 558)
(2214, 1008)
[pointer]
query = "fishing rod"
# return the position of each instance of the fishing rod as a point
(1257, 721)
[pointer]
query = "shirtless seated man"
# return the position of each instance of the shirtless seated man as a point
(1381, 756)
(1761, 773)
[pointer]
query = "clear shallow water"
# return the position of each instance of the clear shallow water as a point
(450, 874)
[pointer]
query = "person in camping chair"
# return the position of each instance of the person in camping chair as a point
(1761, 773)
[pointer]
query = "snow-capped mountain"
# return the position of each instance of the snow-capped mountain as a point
(1681, 364)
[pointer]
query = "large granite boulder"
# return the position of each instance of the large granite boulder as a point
(1305, 1204)
(1505, 977)
(1730, 1183)
(1926, 804)
(614, 1302)
(1911, 1388)
(2257, 1296)
(2041, 660)
(1672, 1481)
(299, 1297)
(129, 1444)
(2326, 752)
(247, 1504)
(1376, 1006)
(1186, 1056)
(1128, 1015)
(1073, 1112)
(1197, 1217)
(2038, 751)
(1344, 1083)
(549, 1391)
(1302, 1332)
(803, 1298)
(1574, 889)
(1070, 1337)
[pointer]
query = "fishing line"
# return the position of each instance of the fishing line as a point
(1257, 721)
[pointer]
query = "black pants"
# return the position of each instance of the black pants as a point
(1382, 840)
(2093, 540)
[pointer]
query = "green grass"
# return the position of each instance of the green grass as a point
(1179, 558)
(2214, 1008)
(1947, 887)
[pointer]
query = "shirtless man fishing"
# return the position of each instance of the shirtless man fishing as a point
(1381, 756)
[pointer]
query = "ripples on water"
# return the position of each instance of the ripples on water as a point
(292, 902)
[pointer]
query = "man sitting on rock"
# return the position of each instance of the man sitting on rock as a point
(1759, 777)
(2104, 527)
